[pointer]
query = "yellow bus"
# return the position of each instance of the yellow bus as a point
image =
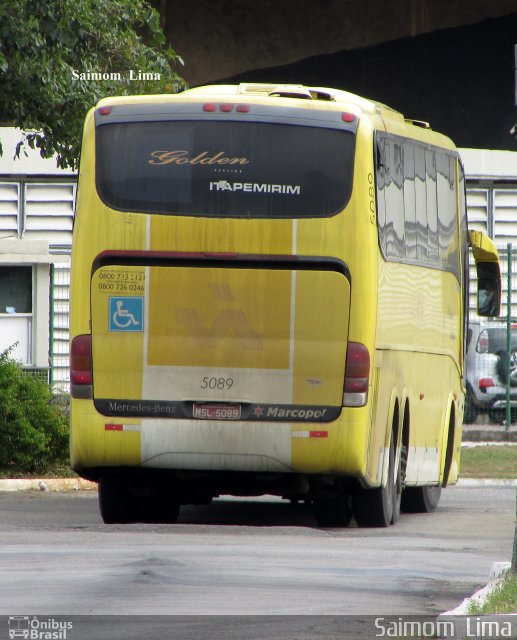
(269, 296)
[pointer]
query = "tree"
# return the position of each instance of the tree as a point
(59, 57)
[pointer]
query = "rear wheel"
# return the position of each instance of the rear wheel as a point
(157, 509)
(420, 499)
(333, 512)
(499, 416)
(380, 507)
(117, 504)
(470, 412)
(505, 372)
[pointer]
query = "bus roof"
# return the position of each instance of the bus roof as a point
(321, 97)
(262, 90)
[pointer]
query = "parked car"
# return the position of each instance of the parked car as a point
(488, 370)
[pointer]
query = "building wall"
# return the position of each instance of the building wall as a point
(492, 205)
(36, 218)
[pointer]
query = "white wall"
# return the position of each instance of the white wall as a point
(482, 164)
(36, 212)
(30, 164)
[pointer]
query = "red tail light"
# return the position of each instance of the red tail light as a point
(225, 107)
(357, 375)
(486, 383)
(81, 360)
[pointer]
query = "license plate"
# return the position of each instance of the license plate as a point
(216, 411)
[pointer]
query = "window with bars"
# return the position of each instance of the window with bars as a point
(37, 209)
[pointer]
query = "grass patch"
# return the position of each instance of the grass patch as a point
(484, 461)
(503, 599)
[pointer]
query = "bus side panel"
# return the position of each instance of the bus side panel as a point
(420, 356)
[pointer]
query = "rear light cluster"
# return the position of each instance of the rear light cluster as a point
(486, 383)
(357, 375)
(81, 361)
(211, 107)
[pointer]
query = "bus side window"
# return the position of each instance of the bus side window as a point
(380, 179)
(410, 201)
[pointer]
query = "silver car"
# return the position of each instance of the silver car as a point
(488, 369)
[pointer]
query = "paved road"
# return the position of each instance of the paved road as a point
(246, 557)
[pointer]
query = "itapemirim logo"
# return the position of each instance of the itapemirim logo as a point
(34, 628)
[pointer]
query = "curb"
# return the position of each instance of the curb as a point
(485, 482)
(78, 484)
(497, 571)
(489, 433)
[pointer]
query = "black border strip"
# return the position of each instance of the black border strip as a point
(183, 410)
(219, 260)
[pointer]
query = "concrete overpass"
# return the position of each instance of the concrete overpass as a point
(445, 61)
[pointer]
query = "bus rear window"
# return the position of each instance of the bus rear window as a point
(224, 169)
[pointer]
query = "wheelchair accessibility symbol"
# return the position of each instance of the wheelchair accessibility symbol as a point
(126, 314)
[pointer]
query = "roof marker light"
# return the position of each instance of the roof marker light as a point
(348, 117)
(242, 108)
(226, 108)
(209, 107)
(105, 111)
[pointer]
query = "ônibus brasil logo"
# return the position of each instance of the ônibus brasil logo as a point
(32, 628)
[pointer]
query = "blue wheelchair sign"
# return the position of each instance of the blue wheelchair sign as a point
(126, 313)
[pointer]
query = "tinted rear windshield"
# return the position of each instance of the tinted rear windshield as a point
(224, 169)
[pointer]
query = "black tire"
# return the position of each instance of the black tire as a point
(470, 412)
(116, 502)
(497, 416)
(157, 509)
(380, 507)
(420, 499)
(333, 512)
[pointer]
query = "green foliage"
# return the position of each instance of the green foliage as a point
(502, 600)
(34, 433)
(42, 42)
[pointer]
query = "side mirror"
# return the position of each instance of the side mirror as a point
(489, 274)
